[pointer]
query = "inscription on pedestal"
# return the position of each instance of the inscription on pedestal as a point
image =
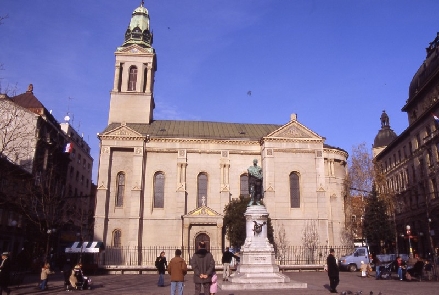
(260, 259)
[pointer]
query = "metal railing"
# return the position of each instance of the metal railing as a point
(146, 256)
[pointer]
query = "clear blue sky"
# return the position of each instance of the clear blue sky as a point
(336, 63)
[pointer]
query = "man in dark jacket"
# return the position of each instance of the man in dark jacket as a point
(333, 272)
(203, 266)
(226, 260)
(5, 272)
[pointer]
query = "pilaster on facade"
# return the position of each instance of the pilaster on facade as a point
(224, 174)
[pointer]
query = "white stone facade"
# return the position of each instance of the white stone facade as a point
(181, 151)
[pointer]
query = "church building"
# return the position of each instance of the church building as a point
(166, 182)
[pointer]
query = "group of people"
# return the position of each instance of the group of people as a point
(203, 266)
(419, 267)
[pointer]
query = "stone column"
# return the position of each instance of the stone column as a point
(102, 195)
(116, 77)
(148, 89)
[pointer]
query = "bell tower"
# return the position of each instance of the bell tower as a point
(132, 96)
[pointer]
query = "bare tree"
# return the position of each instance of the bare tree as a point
(281, 243)
(310, 240)
(17, 133)
(358, 185)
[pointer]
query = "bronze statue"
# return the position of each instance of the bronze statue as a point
(255, 184)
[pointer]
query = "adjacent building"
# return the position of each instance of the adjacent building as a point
(47, 176)
(410, 161)
(166, 182)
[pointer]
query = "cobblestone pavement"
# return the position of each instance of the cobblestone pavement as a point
(317, 284)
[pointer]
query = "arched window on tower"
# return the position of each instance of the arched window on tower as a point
(132, 79)
(294, 190)
(117, 241)
(159, 190)
(202, 189)
(243, 181)
(120, 183)
(145, 79)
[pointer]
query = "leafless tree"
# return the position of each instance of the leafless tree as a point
(358, 185)
(281, 243)
(310, 240)
(17, 133)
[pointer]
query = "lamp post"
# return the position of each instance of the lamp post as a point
(80, 240)
(14, 226)
(49, 233)
(410, 243)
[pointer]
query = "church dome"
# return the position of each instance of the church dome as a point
(138, 31)
(426, 70)
(385, 135)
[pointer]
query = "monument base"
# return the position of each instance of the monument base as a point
(258, 269)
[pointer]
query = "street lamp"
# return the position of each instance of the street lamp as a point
(49, 233)
(410, 243)
(80, 240)
(14, 226)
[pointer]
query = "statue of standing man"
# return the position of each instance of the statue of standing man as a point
(255, 184)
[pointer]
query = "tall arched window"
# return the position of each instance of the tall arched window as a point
(294, 190)
(159, 190)
(117, 242)
(202, 190)
(243, 185)
(132, 79)
(120, 183)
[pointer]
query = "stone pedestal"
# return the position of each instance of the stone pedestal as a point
(257, 268)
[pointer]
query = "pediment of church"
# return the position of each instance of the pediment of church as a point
(134, 49)
(122, 132)
(294, 130)
(203, 211)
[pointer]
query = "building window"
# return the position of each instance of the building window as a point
(202, 190)
(71, 171)
(244, 185)
(132, 79)
(159, 190)
(120, 183)
(79, 158)
(294, 190)
(77, 175)
(83, 163)
(117, 234)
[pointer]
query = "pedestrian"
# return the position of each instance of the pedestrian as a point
(363, 268)
(377, 263)
(226, 260)
(161, 265)
(45, 272)
(214, 285)
(203, 266)
(67, 270)
(333, 272)
(177, 268)
(428, 268)
(400, 264)
(5, 273)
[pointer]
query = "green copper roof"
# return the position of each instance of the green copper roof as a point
(138, 30)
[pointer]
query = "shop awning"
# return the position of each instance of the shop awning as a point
(85, 247)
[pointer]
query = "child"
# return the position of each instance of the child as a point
(45, 272)
(214, 285)
(363, 268)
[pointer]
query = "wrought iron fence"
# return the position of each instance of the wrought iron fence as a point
(146, 256)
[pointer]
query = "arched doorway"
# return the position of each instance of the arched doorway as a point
(202, 237)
